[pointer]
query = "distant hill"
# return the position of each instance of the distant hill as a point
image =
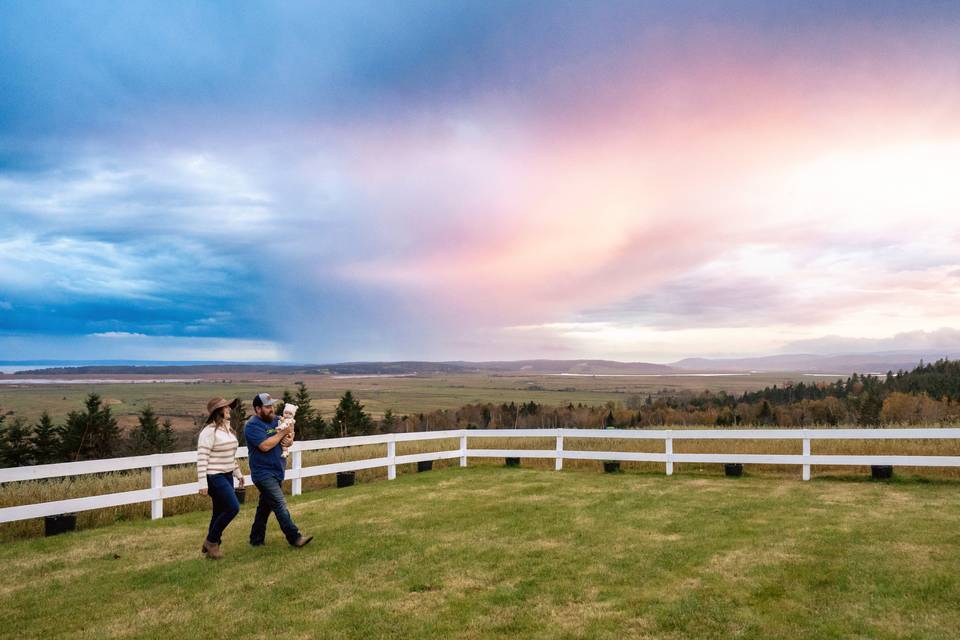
(585, 367)
(412, 367)
(808, 363)
(800, 363)
(127, 369)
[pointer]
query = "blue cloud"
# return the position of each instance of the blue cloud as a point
(171, 168)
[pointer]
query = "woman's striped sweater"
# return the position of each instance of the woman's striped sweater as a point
(216, 453)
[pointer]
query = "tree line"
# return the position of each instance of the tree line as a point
(930, 393)
(86, 434)
(92, 432)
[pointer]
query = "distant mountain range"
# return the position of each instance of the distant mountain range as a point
(801, 363)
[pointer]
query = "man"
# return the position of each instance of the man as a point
(267, 466)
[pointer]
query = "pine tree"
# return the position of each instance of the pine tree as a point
(389, 421)
(145, 437)
(17, 446)
(765, 417)
(321, 428)
(92, 433)
(350, 418)
(287, 399)
(870, 407)
(308, 427)
(46, 440)
(167, 438)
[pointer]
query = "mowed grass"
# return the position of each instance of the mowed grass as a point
(47, 490)
(487, 552)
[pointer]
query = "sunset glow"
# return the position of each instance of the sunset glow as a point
(622, 180)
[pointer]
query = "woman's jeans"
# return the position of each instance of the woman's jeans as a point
(271, 499)
(225, 504)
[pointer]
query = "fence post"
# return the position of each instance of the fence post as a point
(296, 487)
(559, 450)
(463, 450)
(392, 458)
(806, 456)
(668, 449)
(156, 483)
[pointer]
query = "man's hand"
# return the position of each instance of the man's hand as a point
(203, 491)
(240, 481)
(274, 440)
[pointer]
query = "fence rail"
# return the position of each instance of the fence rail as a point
(157, 492)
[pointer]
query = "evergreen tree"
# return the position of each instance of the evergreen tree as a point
(310, 425)
(287, 399)
(17, 447)
(321, 428)
(765, 417)
(92, 433)
(609, 421)
(350, 418)
(486, 417)
(307, 427)
(145, 437)
(870, 407)
(46, 440)
(389, 421)
(167, 438)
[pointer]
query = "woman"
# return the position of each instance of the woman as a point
(216, 469)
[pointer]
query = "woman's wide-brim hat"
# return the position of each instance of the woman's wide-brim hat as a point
(219, 403)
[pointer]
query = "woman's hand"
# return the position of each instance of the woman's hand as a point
(203, 491)
(241, 481)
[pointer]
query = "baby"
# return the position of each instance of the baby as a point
(289, 410)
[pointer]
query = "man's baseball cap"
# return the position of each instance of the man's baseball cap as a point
(263, 400)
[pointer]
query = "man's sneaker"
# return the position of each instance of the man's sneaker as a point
(301, 541)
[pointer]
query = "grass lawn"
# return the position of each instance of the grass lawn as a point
(488, 552)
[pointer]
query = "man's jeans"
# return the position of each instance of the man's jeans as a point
(225, 504)
(271, 499)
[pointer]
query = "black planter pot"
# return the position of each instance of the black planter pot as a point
(55, 525)
(881, 472)
(424, 465)
(733, 470)
(513, 462)
(346, 479)
(241, 494)
(611, 466)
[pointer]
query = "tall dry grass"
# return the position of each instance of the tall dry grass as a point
(30, 492)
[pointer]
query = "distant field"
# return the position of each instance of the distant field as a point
(519, 553)
(404, 395)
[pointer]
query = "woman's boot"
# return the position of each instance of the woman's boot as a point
(212, 550)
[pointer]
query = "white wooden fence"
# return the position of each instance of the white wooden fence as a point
(158, 492)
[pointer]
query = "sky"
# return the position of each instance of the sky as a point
(321, 182)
